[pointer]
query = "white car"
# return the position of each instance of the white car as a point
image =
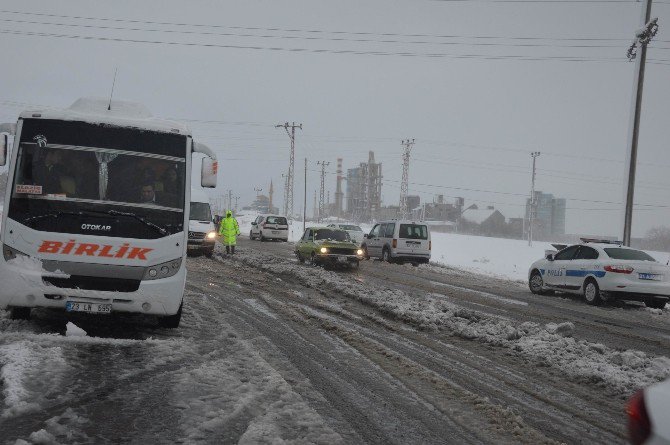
(355, 232)
(649, 415)
(266, 227)
(602, 270)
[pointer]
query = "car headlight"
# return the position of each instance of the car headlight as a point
(359, 252)
(211, 235)
(324, 250)
(163, 270)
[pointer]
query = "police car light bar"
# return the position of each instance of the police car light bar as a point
(600, 241)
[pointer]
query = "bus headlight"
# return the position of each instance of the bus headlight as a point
(10, 253)
(324, 250)
(211, 235)
(163, 270)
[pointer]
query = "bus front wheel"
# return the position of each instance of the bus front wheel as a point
(171, 321)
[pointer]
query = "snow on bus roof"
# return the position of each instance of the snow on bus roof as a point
(120, 113)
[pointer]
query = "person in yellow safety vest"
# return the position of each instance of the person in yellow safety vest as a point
(229, 229)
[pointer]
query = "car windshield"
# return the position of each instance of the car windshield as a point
(351, 228)
(332, 235)
(413, 231)
(276, 220)
(200, 212)
(628, 254)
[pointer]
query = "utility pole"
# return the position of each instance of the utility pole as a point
(270, 193)
(236, 199)
(533, 204)
(304, 204)
(642, 37)
(315, 209)
(288, 189)
(407, 144)
(230, 199)
(323, 165)
(338, 190)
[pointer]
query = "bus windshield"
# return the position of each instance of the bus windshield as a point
(68, 167)
(84, 173)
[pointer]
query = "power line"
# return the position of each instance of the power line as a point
(319, 31)
(576, 59)
(343, 39)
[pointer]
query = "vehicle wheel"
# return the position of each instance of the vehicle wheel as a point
(592, 292)
(301, 260)
(171, 321)
(312, 260)
(251, 235)
(656, 303)
(366, 255)
(209, 252)
(19, 313)
(386, 255)
(355, 265)
(262, 237)
(536, 282)
(415, 264)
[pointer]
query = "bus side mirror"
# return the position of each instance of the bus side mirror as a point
(208, 172)
(4, 143)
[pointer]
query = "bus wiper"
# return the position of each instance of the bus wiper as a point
(144, 221)
(55, 214)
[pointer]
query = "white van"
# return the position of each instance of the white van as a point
(398, 241)
(201, 228)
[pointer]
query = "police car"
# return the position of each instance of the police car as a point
(601, 270)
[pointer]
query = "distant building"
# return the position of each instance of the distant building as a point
(515, 227)
(489, 221)
(364, 190)
(549, 218)
(413, 202)
(261, 205)
(439, 210)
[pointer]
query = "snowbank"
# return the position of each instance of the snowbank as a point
(621, 372)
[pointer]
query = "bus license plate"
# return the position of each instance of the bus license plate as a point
(91, 308)
(650, 276)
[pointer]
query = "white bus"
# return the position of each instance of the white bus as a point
(96, 210)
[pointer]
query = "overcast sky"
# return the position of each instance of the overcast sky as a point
(478, 84)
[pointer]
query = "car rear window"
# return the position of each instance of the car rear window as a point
(333, 235)
(413, 231)
(628, 254)
(276, 220)
(352, 228)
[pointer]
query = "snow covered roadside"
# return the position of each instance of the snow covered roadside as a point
(621, 372)
(214, 384)
(498, 257)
